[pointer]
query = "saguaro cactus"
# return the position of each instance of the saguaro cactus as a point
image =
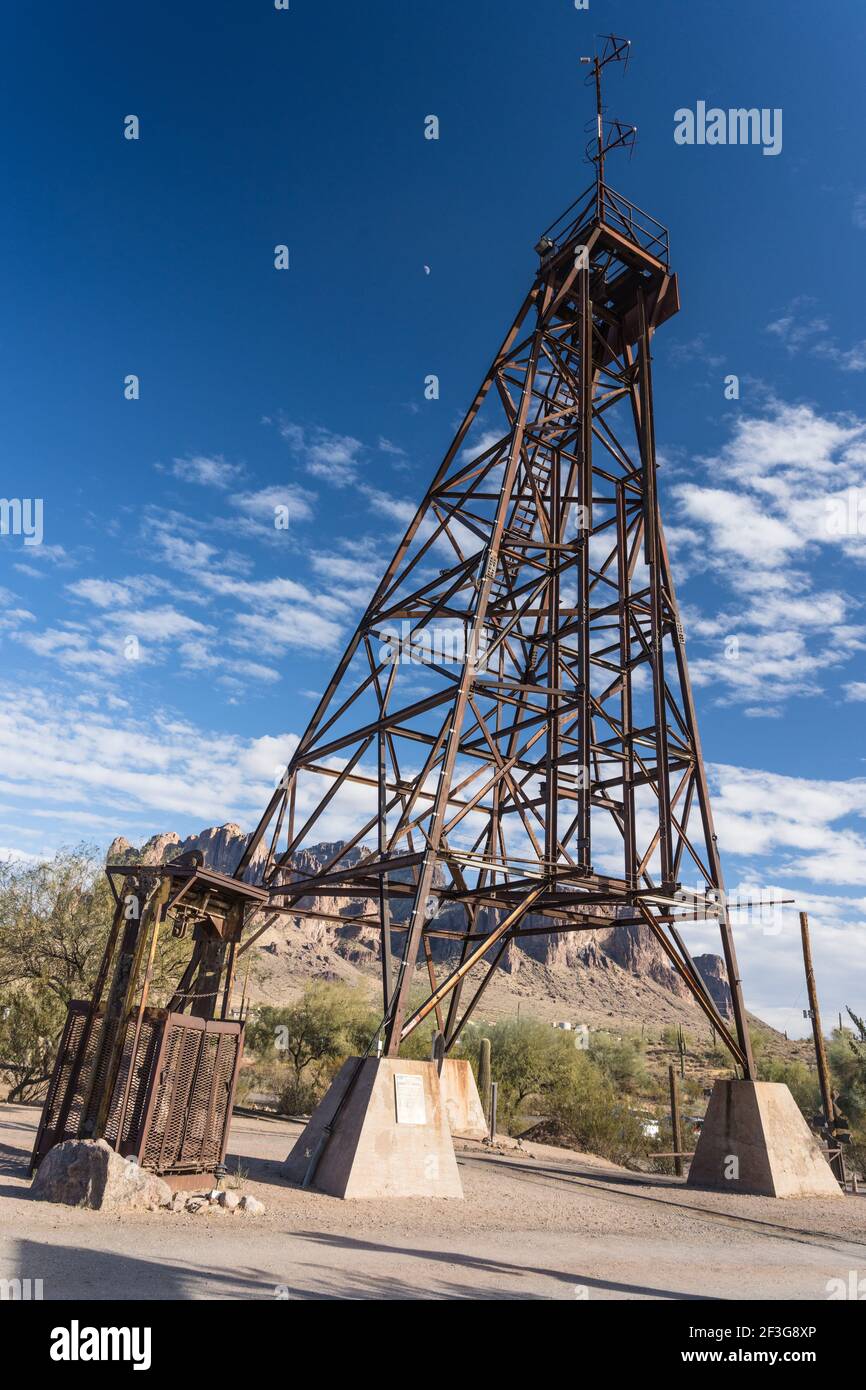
(484, 1075)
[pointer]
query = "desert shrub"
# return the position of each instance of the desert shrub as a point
(801, 1082)
(529, 1059)
(300, 1095)
(308, 1040)
(620, 1060)
(579, 1096)
(718, 1055)
(30, 1021)
(419, 1044)
(591, 1114)
(847, 1056)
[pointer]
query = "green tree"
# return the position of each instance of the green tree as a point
(309, 1038)
(30, 1021)
(55, 917)
(847, 1057)
(621, 1060)
(54, 920)
(529, 1060)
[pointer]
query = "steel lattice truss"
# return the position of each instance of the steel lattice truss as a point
(511, 729)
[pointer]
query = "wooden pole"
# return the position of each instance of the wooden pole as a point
(836, 1162)
(676, 1120)
(824, 1079)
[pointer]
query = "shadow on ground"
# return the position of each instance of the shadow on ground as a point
(482, 1265)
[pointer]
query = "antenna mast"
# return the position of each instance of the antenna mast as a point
(612, 134)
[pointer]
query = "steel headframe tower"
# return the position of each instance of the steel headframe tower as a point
(510, 734)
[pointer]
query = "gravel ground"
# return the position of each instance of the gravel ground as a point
(536, 1223)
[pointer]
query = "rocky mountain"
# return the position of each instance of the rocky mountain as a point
(618, 971)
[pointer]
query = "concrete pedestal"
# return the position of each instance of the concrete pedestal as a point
(463, 1109)
(391, 1139)
(754, 1139)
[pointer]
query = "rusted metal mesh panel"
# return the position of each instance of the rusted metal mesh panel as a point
(145, 1058)
(70, 1041)
(194, 1087)
(165, 1133)
(182, 1082)
(71, 1071)
(81, 1086)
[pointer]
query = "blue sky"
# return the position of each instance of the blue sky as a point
(305, 388)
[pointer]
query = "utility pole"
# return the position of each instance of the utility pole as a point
(814, 1013)
(676, 1120)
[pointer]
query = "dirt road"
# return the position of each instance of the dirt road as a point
(535, 1225)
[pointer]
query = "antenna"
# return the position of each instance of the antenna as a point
(609, 134)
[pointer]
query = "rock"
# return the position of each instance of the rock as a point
(178, 1201)
(120, 851)
(88, 1173)
(715, 977)
(251, 1205)
(229, 1200)
(214, 1195)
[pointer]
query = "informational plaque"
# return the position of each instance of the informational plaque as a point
(409, 1097)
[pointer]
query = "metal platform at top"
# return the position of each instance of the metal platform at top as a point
(599, 205)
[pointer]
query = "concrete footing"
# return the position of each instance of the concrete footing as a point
(755, 1140)
(463, 1109)
(391, 1138)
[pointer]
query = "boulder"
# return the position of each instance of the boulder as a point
(251, 1205)
(89, 1173)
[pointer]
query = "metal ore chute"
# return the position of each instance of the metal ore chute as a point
(156, 1083)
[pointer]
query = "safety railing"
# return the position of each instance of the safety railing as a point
(601, 203)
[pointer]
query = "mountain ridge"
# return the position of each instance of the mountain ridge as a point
(618, 971)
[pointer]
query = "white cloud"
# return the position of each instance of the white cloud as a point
(263, 504)
(287, 626)
(386, 447)
(110, 593)
(803, 822)
(89, 655)
(207, 472)
(784, 488)
(158, 624)
(333, 457)
(50, 751)
(852, 359)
